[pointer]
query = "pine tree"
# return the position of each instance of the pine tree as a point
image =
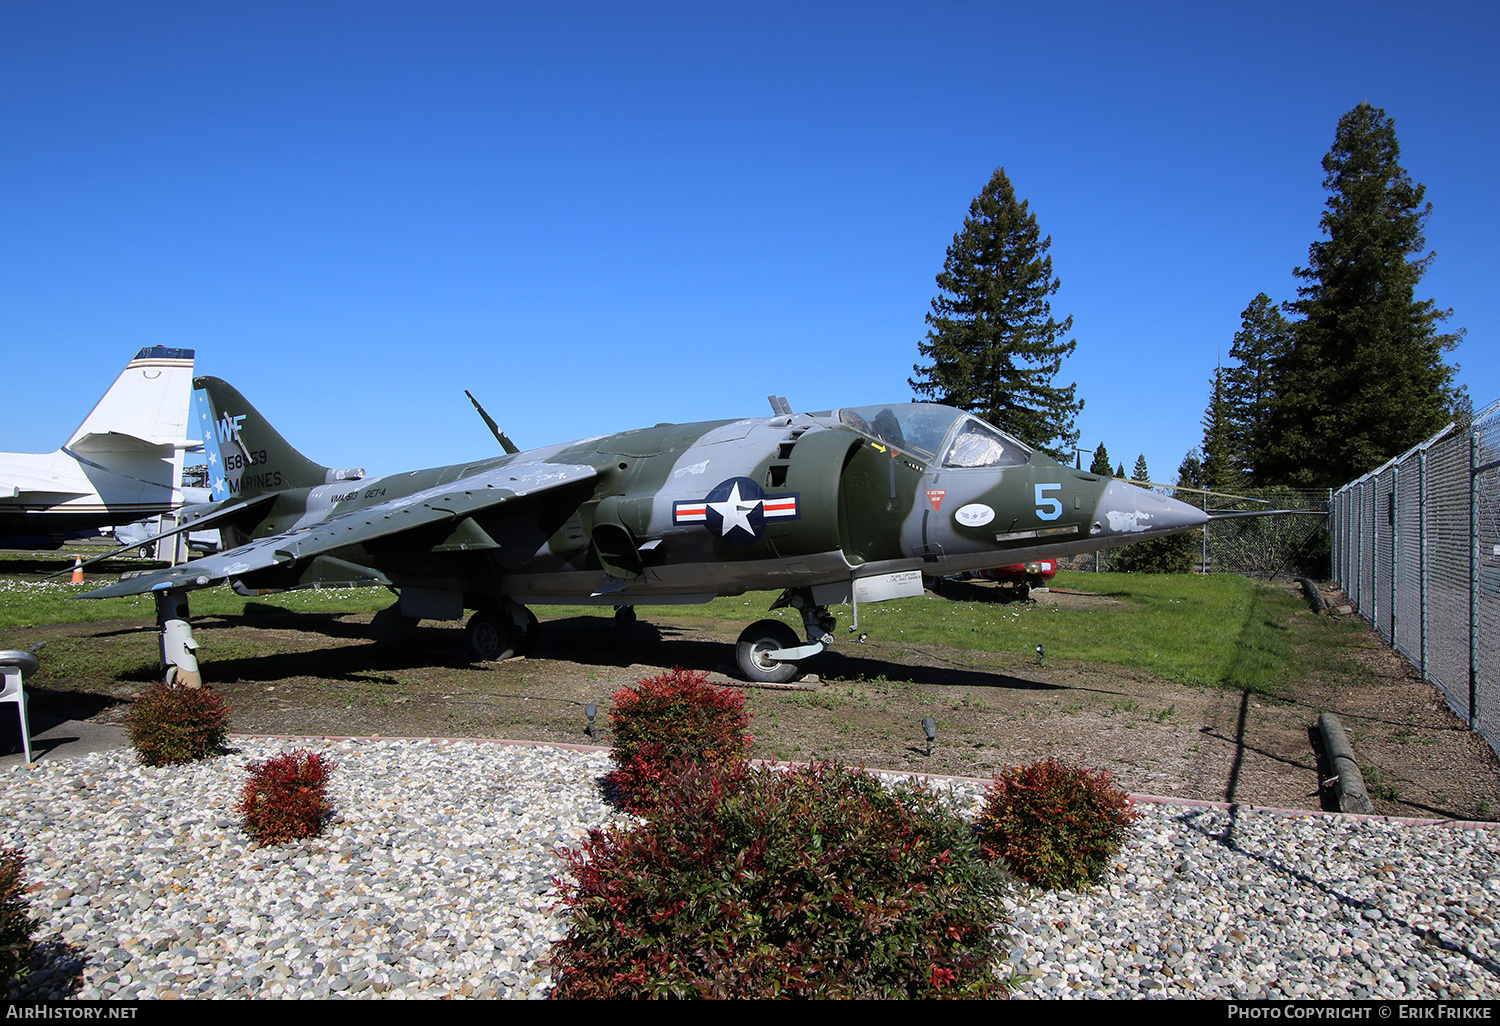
(993, 344)
(1100, 465)
(1364, 378)
(1190, 475)
(1140, 473)
(1223, 455)
(1263, 340)
(1120, 472)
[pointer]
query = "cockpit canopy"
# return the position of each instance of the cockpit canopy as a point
(940, 435)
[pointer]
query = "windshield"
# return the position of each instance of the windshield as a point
(929, 430)
(911, 427)
(976, 444)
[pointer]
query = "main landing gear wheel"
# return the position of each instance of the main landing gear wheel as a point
(492, 635)
(761, 637)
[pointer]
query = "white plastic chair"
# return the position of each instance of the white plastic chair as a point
(15, 665)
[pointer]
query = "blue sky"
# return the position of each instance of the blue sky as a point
(599, 216)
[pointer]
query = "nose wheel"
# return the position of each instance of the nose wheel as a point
(759, 639)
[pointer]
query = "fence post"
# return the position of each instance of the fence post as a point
(1375, 535)
(1359, 574)
(1395, 522)
(1473, 573)
(1422, 559)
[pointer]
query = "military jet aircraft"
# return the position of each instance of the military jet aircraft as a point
(851, 505)
(121, 464)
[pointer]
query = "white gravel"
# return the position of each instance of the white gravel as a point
(435, 881)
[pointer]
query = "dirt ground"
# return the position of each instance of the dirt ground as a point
(318, 675)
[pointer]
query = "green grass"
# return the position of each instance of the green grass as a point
(1377, 785)
(1216, 629)
(1219, 629)
(29, 602)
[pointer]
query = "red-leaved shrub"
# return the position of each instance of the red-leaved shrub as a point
(286, 797)
(169, 724)
(817, 882)
(16, 921)
(669, 722)
(1057, 826)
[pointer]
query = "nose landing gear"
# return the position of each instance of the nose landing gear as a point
(767, 651)
(754, 651)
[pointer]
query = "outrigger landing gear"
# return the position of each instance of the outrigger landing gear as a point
(496, 633)
(767, 651)
(178, 646)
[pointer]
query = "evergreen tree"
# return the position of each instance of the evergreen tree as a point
(1190, 475)
(1120, 472)
(1223, 455)
(1263, 340)
(1141, 473)
(1100, 465)
(1364, 378)
(993, 344)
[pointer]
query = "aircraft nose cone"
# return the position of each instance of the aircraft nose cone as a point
(1128, 511)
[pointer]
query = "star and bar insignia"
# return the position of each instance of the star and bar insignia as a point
(736, 510)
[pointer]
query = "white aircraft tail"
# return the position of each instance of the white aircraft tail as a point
(145, 409)
(124, 462)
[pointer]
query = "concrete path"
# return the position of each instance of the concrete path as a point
(65, 740)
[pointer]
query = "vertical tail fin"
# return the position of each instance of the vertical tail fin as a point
(131, 443)
(146, 407)
(246, 456)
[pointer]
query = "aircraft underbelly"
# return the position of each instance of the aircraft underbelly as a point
(66, 519)
(730, 578)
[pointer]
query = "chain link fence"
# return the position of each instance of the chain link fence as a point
(1416, 547)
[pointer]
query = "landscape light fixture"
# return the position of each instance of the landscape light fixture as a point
(930, 729)
(1041, 654)
(591, 710)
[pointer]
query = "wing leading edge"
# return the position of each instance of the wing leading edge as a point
(451, 501)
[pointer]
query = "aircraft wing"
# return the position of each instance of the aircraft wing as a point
(451, 501)
(227, 511)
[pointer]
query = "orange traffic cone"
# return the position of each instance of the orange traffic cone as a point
(77, 569)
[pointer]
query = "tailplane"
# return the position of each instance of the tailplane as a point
(246, 455)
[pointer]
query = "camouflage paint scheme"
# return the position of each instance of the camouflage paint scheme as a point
(819, 504)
